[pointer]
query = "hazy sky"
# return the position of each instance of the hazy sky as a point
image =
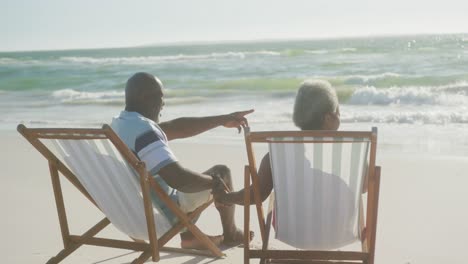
(64, 24)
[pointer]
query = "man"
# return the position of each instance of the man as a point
(138, 126)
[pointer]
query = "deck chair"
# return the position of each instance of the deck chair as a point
(320, 182)
(111, 176)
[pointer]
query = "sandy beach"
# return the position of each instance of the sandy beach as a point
(422, 212)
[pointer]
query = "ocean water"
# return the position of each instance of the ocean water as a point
(413, 88)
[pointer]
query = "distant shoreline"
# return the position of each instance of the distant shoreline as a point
(246, 41)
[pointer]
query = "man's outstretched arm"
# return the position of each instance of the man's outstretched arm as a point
(190, 126)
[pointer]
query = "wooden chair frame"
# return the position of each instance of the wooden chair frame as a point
(368, 227)
(73, 242)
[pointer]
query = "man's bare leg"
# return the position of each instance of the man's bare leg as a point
(231, 234)
(188, 240)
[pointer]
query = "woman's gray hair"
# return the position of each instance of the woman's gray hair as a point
(314, 99)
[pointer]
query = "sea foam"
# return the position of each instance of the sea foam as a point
(451, 95)
(145, 60)
(437, 116)
(70, 96)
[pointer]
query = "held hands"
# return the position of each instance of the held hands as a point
(220, 192)
(237, 119)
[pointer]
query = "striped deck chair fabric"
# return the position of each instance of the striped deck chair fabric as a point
(111, 182)
(317, 190)
(325, 196)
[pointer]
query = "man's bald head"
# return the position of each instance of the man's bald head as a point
(143, 94)
(140, 83)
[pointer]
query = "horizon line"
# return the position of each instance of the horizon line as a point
(235, 41)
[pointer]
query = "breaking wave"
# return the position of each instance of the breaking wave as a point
(449, 95)
(155, 59)
(436, 117)
(70, 96)
(145, 60)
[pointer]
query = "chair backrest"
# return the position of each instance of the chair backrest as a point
(318, 180)
(109, 179)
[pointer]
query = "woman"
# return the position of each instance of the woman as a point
(316, 108)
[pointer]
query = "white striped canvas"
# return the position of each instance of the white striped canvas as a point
(317, 189)
(111, 182)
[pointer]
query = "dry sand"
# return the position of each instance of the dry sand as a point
(423, 212)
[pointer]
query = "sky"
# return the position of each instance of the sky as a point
(82, 24)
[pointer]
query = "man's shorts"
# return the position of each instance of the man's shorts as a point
(189, 202)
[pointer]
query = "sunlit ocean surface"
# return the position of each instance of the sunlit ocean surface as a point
(413, 88)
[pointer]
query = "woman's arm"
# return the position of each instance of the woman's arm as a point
(265, 181)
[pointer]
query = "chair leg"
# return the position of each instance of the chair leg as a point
(188, 251)
(246, 215)
(142, 258)
(268, 226)
(62, 215)
(175, 229)
(181, 224)
(374, 215)
(69, 247)
(64, 253)
(185, 220)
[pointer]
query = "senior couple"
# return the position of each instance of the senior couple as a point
(316, 108)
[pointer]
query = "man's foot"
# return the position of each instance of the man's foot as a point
(236, 238)
(193, 243)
